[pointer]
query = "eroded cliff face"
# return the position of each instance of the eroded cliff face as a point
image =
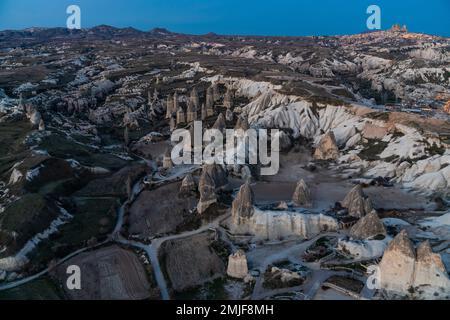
(418, 273)
(395, 145)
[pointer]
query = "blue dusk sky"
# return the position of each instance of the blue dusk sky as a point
(254, 17)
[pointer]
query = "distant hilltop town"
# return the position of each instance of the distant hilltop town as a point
(396, 28)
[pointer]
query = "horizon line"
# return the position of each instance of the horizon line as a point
(221, 34)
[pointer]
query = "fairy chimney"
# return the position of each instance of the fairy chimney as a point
(327, 148)
(242, 207)
(367, 227)
(167, 160)
(357, 203)
(237, 265)
(220, 123)
(169, 107)
(194, 99)
(207, 190)
(302, 195)
(181, 116)
(188, 186)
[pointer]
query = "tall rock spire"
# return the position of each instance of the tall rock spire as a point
(242, 207)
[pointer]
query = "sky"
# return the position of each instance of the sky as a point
(244, 17)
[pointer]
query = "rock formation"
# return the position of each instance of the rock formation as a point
(397, 265)
(228, 100)
(167, 160)
(367, 227)
(217, 173)
(242, 208)
(209, 102)
(357, 203)
(169, 107)
(188, 186)
(407, 272)
(229, 115)
(302, 195)
(191, 114)
(274, 225)
(215, 92)
(242, 123)
(327, 148)
(220, 123)
(42, 125)
(194, 99)
(172, 123)
(207, 190)
(181, 116)
(204, 112)
(176, 104)
(237, 265)
(447, 107)
(430, 271)
(33, 114)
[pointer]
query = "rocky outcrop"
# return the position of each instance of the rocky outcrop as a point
(229, 116)
(302, 195)
(242, 124)
(207, 190)
(217, 173)
(41, 125)
(237, 265)
(242, 208)
(367, 227)
(169, 107)
(357, 203)
(204, 112)
(281, 278)
(167, 160)
(209, 102)
(397, 265)
(172, 123)
(274, 225)
(220, 123)
(176, 104)
(194, 99)
(191, 114)
(405, 271)
(228, 99)
(430, 271)
(327, 148)
(188, 186)
(181, 116)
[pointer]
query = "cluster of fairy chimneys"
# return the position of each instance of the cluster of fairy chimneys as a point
(356, 202)
(243, 205)
(413, 271)
(177, 114)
